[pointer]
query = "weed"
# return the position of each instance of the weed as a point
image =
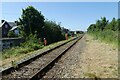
(14, 64)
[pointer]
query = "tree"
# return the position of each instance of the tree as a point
(98, 25)
(52, 31)
(104, 22)
(64, 30)
(118, 24)
(91, 28)
(11, 34)
(32, 21)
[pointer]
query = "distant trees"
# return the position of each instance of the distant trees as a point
(64, 30)
(79, 32)
(105, 30)
(104, 24)
(113, 25)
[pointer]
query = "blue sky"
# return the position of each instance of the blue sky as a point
(72, 15)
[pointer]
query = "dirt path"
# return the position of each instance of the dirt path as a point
(88, 58)
(99, 59)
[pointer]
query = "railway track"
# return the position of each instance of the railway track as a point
(36, 68)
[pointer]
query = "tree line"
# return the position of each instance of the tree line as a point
(35, 29)
(104, 24)
(105, 30)
(33, 22)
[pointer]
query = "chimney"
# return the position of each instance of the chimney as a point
(16, 22)
(2, 21)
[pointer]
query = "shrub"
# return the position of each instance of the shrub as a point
(11, 34)
(31, 44)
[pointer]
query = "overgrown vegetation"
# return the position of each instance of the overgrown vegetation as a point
(105, 30)
(33, 22)
(30, 45)
(11, 34)
(34, 28)
(52, 32)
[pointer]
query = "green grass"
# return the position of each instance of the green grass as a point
(14, 54)
(109, 37)
(24, 48)
(27, 47)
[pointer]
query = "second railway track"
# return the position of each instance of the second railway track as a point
(38, 67)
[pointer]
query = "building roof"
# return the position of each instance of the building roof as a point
(13, 28)
(1, 24)
(12, 24)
